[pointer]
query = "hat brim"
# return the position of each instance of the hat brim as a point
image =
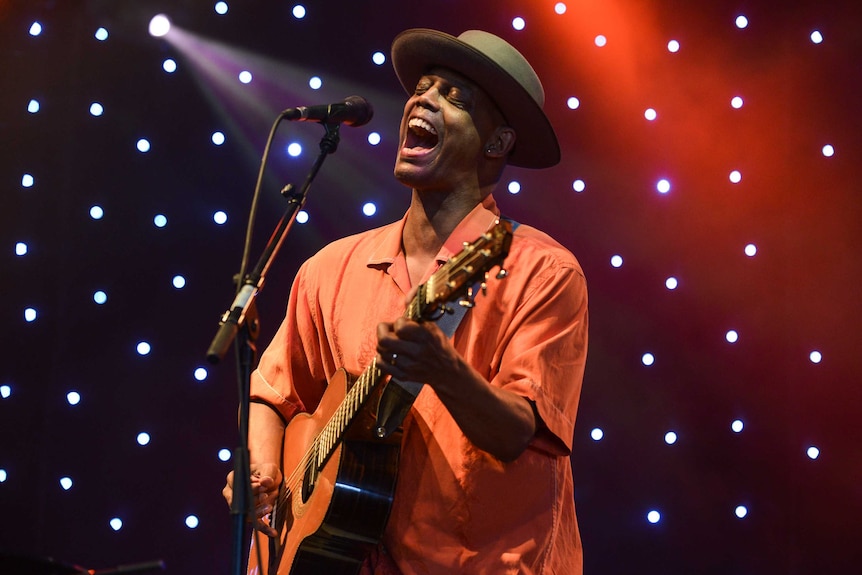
(416, 51)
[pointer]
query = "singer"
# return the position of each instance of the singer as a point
(484, 481)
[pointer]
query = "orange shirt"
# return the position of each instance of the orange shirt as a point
(457, 509)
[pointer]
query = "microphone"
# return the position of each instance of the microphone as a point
(353, 111)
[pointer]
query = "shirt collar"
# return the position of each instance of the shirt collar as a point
(474, 224)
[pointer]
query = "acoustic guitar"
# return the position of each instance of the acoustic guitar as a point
(339, 466)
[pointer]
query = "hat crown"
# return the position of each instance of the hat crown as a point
(509, 59)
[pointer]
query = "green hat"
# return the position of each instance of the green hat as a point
(499, 69)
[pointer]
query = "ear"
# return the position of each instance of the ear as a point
(500, 143)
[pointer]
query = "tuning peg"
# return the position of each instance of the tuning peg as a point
(468, 300)
(484, 287)
(502, 273)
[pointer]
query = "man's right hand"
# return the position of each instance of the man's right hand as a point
(265, 480)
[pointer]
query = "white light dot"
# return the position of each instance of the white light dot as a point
(3, 476)
(35, 29)
(736, 425)
(813, 452)
(97, 213)
(816, 37)
(671, 283)
(30, 315)
(378, 58)
(815, 357)
(96, 109)
(670, 437)
(673, 46)
(33, 106)
(101, 34)
(224, 454)
(731, 336)
(100, 297)
(653, 516)
(518, 23)
(160, 220)
(5, 391)
(741, 22)
(650, 114)
(616, 261)
(159, 25)
(579, 186)
(245, 77)
(27, 181)
(302, 217)
(514, 187)
(66, 483)
(735, 176)
(560, 8)
(663, 186)
(751, 250)
(294, 149)
(828, 150)
(315, 83)
(601, 41)
(369, 209)
(374, 138)
(741, 511)
(20, 249)
(73, 397)
(736, 102)
(221, 8)
(143, 438)
(220, 217)
(143, 145)
(178, 282)
(143, 348)
(218, 138)
(573, 103)
(201, 373)
(116, 523)
(648, 359)
(299, 11)
(597, 434)
(169, 65)
(192, 522)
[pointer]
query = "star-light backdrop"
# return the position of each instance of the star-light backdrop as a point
(710, 187)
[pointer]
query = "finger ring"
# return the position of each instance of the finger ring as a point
(394, 357)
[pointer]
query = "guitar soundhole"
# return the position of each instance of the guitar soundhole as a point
(309, 481)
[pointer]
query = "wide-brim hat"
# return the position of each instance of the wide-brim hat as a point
(499, 69)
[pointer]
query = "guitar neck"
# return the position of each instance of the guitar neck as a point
(451, 280)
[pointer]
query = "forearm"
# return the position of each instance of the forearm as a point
(265, 435)
(495, 420)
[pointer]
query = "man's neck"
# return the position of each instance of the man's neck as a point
(432, 218)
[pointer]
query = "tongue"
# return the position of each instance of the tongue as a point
(420, 139)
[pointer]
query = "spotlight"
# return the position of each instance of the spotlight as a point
(159, 25)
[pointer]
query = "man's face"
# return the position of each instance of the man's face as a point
(446, 124)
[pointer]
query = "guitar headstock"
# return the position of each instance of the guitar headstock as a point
(455, 280)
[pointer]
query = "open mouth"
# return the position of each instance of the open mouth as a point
(420, 135)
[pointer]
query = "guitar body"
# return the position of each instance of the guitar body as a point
(333, 517)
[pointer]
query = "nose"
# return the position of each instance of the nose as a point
(429, 99)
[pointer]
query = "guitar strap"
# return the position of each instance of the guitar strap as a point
(395, 401)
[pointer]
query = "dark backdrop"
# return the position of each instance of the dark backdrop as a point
(798, 294)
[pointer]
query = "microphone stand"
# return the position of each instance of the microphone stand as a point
(240, 325)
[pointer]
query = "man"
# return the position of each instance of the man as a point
(484, 478)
